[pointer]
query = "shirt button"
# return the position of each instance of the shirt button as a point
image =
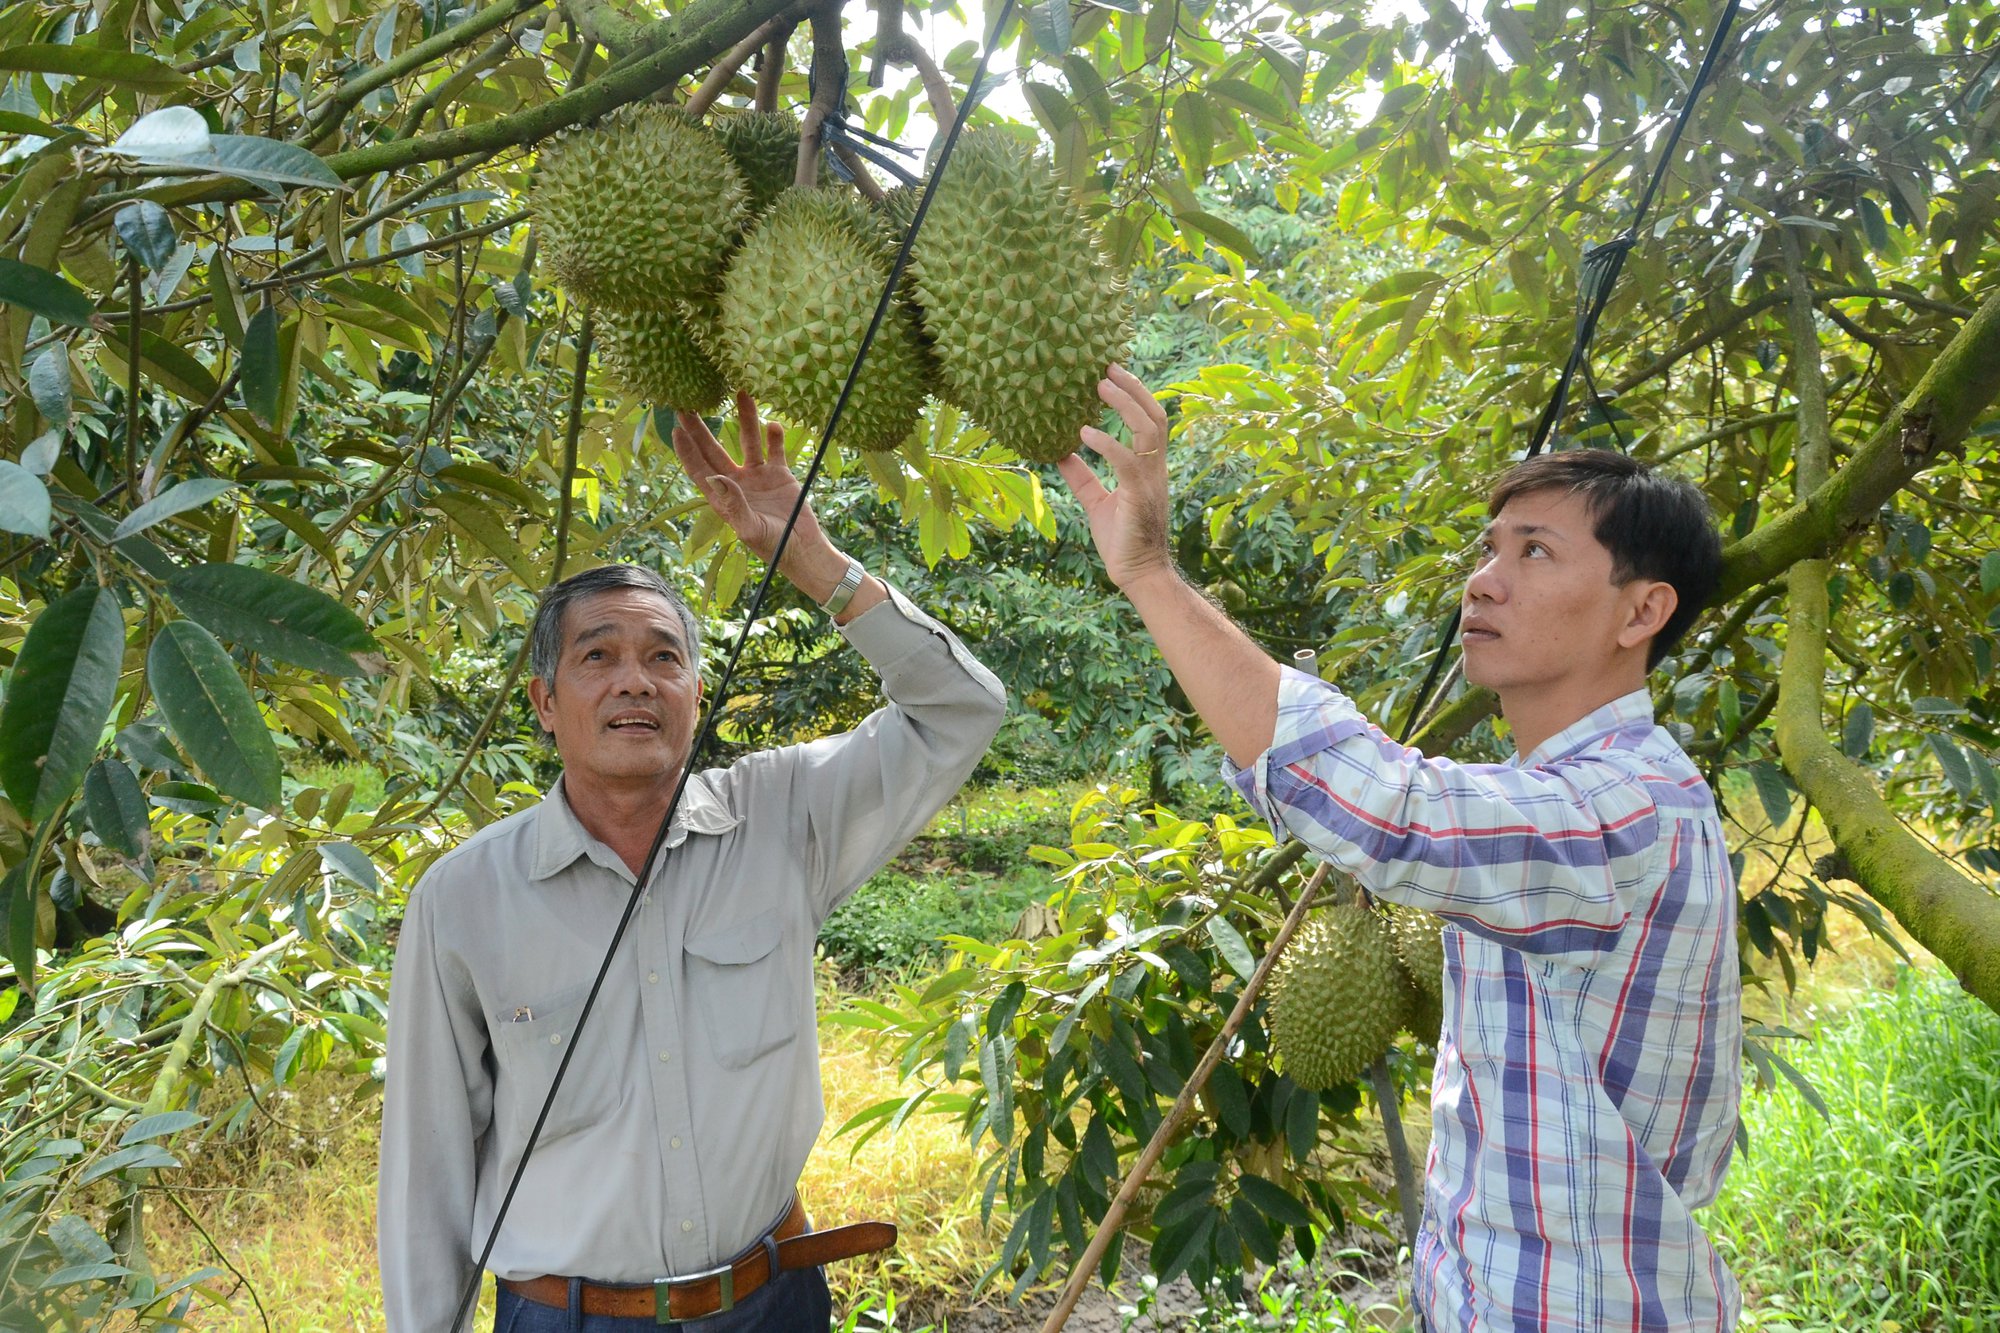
(674, 1142)
(653, 978)
(687, 1226)
(555, 1039)
(663, 1057)
(645, 900)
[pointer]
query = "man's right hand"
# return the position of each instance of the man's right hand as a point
(1128, 524)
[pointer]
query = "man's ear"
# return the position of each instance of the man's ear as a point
(1651, 607)
(544, 700)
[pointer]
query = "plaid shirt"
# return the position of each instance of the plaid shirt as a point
(1585, 1096)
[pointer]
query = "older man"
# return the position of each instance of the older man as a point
(674, 1146)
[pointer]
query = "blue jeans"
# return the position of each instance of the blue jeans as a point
(797, 1302)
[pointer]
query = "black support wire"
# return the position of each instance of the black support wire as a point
(706, 735)
(1601, 266)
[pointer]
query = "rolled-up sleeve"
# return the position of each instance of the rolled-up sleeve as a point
(1547, 859)
(437, 1105)
(857, 798)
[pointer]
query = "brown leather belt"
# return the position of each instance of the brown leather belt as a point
(674, 1300)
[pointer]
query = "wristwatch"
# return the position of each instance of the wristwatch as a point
(843, 591)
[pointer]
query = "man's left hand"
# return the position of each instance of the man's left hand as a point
(754, 497)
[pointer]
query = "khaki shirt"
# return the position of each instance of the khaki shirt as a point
(694, 1095)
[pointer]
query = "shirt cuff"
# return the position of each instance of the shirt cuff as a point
(1312, 716)
(894, 630)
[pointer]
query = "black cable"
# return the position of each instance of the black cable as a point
(706, 734)
(1601, 266)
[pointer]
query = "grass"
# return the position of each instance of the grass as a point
(1887, 1217)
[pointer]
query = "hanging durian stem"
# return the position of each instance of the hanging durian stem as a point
(725, 69)
(937, 88)
(1156, 1147)
(869, 188)
(829, 79)
(888, 37)
(771, 71)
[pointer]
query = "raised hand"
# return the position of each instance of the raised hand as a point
(754, 497)
(1128, 524)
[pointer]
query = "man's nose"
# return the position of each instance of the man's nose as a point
(1485, 583)
(632, 679)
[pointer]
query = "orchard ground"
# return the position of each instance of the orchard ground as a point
(1905, 1067)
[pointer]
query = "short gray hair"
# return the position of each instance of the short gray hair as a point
(545, 636)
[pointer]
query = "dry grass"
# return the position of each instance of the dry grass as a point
(295, 1211)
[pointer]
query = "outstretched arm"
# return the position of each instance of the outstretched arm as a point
(1232, 682)
(756, 496)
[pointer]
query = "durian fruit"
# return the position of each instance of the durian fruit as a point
(638, 210)
(656, 355)
(1337, 997)
(764, 145)
(1025, 311)
(795, 302)
(1423, 1012)
(1419, 940)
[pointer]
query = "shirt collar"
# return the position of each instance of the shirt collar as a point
(560, 837)
(1621, 714)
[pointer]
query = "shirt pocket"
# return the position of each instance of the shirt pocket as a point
(741, 988)
(529, 1042)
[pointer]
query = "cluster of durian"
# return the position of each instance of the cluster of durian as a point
(709, 271)
(1349, 981)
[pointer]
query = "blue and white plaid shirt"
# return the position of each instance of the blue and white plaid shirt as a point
(1585, 1097)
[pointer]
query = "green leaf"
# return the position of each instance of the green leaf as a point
(128, 69)
(1956, 770)
(1050, 23)
(61, 693)
(269, 162)
(43, 293)
(138, 1157)
(263, 377)
(957, 1043)
(1857, 732)
(1273, 1202)
(158, 1125)
(175, 500)
(24, 501)
(209, 709)
(1773, 790)
(148, 232)
(351, 864)
(19, 901)
(996, 1071)
(1989, 574)
(1232, 948)
(1407, 283)
(1302, 1124)
(273, 615)
(117, 810)
(48, 385)
(1232, 1100)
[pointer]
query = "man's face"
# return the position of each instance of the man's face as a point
(1542, 617)
(627, 690)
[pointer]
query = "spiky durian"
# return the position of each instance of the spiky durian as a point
(638, 210)
(795, 302)
(1024, 309)
(1423, 1012)
(655, 354)
(1419, 940)
(764, 145)
(1337, 997)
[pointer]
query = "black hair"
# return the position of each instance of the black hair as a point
(1656, 526)
(546, 635)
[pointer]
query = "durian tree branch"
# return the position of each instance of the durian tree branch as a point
(888, 36)
(1955, 918)
(475, 69)
(697, 35)
(829, 66)
(725, 69)
(864, 182)
(601, 22)
(771, 70)
(1959, 386)
(348, 95)
(937, 88)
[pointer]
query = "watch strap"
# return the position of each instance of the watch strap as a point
(843, 591)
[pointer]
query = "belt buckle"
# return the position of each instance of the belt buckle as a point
(725, 1276)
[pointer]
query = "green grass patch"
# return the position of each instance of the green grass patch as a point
(1888, 1216)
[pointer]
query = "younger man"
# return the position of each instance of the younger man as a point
(1585, 1096)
